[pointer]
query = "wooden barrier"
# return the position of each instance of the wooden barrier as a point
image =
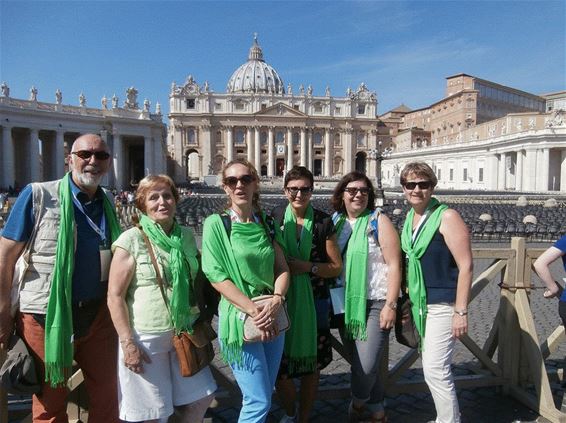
(520, 360)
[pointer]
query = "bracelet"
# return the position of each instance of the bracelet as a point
(461, 313)
(127, 341)
(392, 305)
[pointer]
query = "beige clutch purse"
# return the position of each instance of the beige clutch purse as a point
(252, 333)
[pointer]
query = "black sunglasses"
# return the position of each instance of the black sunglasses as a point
(421, 184)
(86, 154)
(232, 181)
(295, 190)
(353, 191)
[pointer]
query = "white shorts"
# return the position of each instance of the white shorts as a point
(153, 393)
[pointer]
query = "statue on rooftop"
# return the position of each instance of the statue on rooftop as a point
(104, 102)
(146, 105)
(5, 89)
(114, 101)
(58, 96)
(131, 98)
(33, 93)
(82, 100)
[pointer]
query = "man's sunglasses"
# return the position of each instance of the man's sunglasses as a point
(353, 191)
(421, 184)
(232, 181)
(86, 154)
(295, 190)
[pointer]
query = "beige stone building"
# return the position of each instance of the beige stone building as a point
(272, 125)
(483, 135)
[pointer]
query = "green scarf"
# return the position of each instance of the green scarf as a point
(59, 318)
(301, 338)
(179, 265)
(247, 259)
(414, 251)
(356, 278)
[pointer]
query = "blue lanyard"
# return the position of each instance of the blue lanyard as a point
(101, 231)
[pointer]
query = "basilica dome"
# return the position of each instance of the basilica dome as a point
(255, 76)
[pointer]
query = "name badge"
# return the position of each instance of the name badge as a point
(105, 259)
(337, 295)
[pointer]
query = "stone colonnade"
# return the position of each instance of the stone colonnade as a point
(35, 154)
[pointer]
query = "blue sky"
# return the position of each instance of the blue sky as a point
(402, 50)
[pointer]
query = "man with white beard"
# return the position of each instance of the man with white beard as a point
(62, 315)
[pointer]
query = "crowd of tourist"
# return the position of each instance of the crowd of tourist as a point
(113, 301)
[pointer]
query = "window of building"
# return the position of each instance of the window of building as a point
(480, 174)
(361, 139)
(296, 138)
(263, 151)
(240, 136)
(465, 175)
(317, 138)
(263, 106)
(337, 140)
(217, 106)
(361, 109)
(296, 106)
(438, 174)
(239, 105)
(279, 137)
(295, 151)
(318, 152)
(263, 138)
(240, 151)
(318, 108)
(338, 110)
(190, 103)
(451, 174)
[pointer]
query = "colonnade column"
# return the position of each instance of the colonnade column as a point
(118, 161)
(492, 172)
(250, 145)
(257, 149)
(563, 170)
(519, 171)
(327, 154)
(205, 143)
(180, 171)
(147, 155)
(501, 172)
(289, 149)
(303, 147)
(543, 166)
(310, 151)
(531, 170)
(36, 158)
(229, 144)
(270, 153)
(60, 153)
(8, 162)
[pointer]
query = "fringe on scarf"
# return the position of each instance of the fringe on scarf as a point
(302, 365)
(356, 330)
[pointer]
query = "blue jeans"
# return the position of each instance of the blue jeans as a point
(256, 377)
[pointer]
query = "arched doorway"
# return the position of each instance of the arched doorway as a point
(192, 164)
(361, 162)
(279, 167)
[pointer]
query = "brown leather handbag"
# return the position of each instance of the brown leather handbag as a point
(194, 351)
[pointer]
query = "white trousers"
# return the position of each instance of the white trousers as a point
(438, 347)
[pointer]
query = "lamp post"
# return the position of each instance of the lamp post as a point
(379, 154)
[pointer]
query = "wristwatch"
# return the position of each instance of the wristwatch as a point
(461, 312)
(314, 269)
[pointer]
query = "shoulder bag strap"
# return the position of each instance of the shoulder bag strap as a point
(155, 266)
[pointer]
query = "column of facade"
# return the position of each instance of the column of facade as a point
(257, 149)
(327, 154)
(36, 159)
(519, 171)
(229, 144)
(117, 152)
(530, 170)
(542, 180)
(501, 172)
(491, 172)
(180, 171)
(270, 153)
(8, 158)
(205, 144)
(347, 148)
(304, 153)
(310, 151)
(289, 149)
(250, 145)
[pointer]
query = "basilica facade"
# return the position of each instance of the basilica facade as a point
(272, 125)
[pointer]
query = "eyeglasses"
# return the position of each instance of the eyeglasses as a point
(421, 184)
(232, 181)
(353, 191)
(295, 190)
(87, 154)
